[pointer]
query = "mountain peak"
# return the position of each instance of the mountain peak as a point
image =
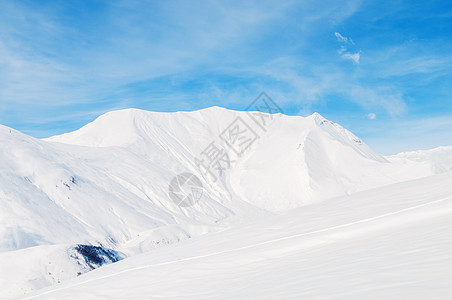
(317, 115)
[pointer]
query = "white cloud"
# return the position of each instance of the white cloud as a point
(342, 50)
(352, 56)
(340, 38)
(343, 39)
(372, 116)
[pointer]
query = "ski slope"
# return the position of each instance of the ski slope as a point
(393, 242)
(107, 183)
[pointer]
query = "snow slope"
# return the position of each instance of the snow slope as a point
(107, 183)
(439, 158)
(53, 194)
(393, 242)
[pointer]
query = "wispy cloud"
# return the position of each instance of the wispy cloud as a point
(405, 136)
(423, 64)
(352, 56)
(344, 52)
(343, 39)
(62, 63)
(53, 61)
(341, 50)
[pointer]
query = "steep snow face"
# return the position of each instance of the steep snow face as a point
(53, 193)
(347, 138)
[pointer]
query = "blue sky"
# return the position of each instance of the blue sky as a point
(382, 69)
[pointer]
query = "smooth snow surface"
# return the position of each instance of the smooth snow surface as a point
(439, 158)
(393, 242)
(106, 184)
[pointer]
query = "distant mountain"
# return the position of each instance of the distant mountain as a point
(440, 159)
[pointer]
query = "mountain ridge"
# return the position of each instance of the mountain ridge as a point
(108, 182)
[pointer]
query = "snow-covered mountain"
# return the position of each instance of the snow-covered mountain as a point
(297, 160)
(107, 184)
